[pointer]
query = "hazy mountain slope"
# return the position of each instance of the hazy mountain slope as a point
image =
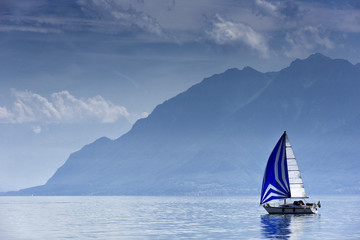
(215, 137)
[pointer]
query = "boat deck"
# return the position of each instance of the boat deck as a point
(291, 209)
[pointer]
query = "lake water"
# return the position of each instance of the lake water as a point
(171, 218)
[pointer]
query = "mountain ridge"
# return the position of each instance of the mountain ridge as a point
(215, 137)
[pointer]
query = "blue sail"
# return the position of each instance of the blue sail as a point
(276, 180)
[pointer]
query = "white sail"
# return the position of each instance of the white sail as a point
(296, 184)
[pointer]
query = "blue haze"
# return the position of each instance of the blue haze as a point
(137, 54)
(215, 138)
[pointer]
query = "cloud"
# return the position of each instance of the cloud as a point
(119, 19)
(227, 32)
(4, 113)
(279, 9)
(306, 40)
(134, 117)
(28, 29)
(144, 114)
(62, 107)
(30, 107)
(264, 8)
(36, 129)
(101, 16)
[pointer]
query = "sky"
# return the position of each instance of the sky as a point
(74, 71)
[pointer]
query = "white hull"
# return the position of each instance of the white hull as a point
(291, 209)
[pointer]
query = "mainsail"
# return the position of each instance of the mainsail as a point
(296, 184)
(282, 176)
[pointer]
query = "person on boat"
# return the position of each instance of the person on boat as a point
(299, 203)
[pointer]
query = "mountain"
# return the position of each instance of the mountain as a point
(215, 138)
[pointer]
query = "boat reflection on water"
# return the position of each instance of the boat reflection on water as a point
(276, 226)
(283, 226)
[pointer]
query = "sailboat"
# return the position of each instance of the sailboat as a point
(282, 181)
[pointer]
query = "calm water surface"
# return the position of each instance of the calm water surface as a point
(171, 218)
